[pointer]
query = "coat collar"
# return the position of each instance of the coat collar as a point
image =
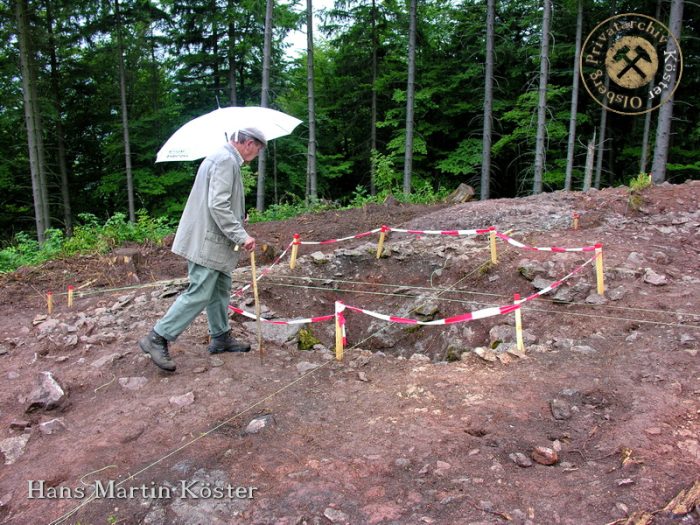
(234, 152)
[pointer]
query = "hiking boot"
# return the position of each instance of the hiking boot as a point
(157, 347)
(226, 343)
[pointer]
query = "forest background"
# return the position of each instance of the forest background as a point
(114, 79)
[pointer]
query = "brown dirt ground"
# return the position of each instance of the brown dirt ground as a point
(378, 437)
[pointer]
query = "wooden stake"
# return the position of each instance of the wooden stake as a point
(70, 295)
(518, 325)
(338, 333)
(492, 245)
(257, 303)
(575, 217)
(295, 250)
(600, 279)
(49, 301)
(380, 244)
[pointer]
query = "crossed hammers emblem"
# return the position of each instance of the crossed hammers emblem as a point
(639, 54)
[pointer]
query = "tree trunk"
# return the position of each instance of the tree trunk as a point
(216, 71)
(32, 120)
(590, 154)
(125, 115)
(488, 102)
(603, 119)
(574, 100)
(60, 133)
(264, 99)
(274, 172)
(663, 126)
(410, 98)
(542, 101)
(311, 196)
(232, 54)
(644, 156)
(601, 141)
(373, 124)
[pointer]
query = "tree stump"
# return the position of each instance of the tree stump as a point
(463, 193)
(126, 262)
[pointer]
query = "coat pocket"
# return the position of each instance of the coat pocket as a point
(217, 248)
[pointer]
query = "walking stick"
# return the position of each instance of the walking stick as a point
(257, 303)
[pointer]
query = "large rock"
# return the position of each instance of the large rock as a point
(544, 455)
(541, 283)
(259, 423)
(182, 400)
(504, 333)
(48, 326)
(196, 501)
(133, 383)
(426, 308)
(106, 360)
(319, 258)
(12, 448)
(275, 333)
(47, 394)
(656, 279)
(52, 426)
(530, 269)
(560, 409)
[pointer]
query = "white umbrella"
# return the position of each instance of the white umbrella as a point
(203, 135)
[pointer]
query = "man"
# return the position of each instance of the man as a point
(207, 236)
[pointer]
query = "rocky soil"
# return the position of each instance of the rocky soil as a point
(596, 421)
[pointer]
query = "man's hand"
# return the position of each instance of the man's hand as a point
(249, 244)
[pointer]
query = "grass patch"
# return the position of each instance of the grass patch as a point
(89, 236)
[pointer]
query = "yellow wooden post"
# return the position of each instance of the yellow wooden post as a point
(575, 217)
(70, 295)
(518, 325)
(295, 249)
(600, 279)
(338, 332)
(380, 244)
(492, 245)
(49, 301)
(257, 303)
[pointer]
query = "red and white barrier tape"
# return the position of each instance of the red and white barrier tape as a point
(340, 307)
(554, 249)
(251, 315)
(455, 233)
(478, 314)
(452, 233)
(332, 241)
(265, 271)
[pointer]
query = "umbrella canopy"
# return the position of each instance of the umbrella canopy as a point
(203, 135)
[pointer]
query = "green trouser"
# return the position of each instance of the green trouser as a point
(208, 289)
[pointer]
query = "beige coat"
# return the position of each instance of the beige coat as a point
(212, 222)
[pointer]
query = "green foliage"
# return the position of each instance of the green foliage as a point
(89, 237)
(387, 178)
(360, 197)
(307, 339)
(178, 58)
(250, 179)
(465, 160)
(639, 183)
(284, 211)
(636, 186)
